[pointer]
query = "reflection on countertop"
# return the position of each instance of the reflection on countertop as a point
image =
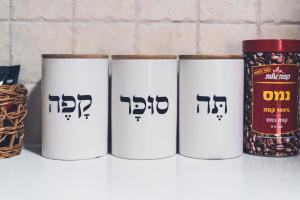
(30, 176)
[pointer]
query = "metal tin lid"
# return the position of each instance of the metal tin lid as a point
(196, 57)
(147, 57)
(271, 45)
(74, 56)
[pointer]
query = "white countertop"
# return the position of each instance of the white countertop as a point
(32, 177)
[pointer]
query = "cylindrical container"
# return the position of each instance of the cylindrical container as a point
(74, 106)
(144, 106)
(271, 97)
(13, 110)
(211, 106)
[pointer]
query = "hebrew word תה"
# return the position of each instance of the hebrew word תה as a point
(215, 109)
(140, 105)
(69, 104)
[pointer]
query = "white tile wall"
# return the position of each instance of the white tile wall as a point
(29, 28)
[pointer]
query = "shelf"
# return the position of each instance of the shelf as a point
(30, 176)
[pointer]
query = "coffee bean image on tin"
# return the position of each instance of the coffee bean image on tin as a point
(271, 101)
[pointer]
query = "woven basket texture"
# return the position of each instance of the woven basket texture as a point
(12, 114)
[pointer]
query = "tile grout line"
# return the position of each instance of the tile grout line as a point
(73, 26)
(258, 24)
(154, 21)
(10, 33)
(197, 26)
(135, 26)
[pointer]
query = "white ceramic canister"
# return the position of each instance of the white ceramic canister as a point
(211, 106)
(74, 106)
(144, 106)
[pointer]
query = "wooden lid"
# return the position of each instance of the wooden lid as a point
(74, 56)
(194, 57)
(148, 57)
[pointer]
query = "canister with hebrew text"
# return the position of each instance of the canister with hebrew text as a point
(271, 97)
(211, 106)
(74, 106)
(144, 106)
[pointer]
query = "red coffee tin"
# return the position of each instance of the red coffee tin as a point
(271, 101)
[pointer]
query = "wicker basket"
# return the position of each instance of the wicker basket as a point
(12, 114)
